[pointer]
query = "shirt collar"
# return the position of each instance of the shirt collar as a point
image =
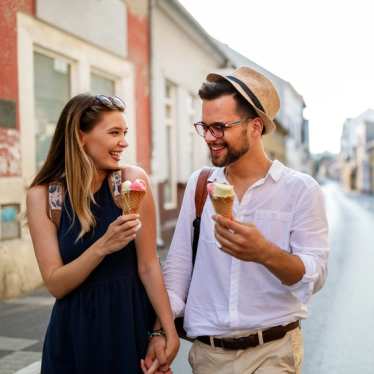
(275, 171)
(218, 175)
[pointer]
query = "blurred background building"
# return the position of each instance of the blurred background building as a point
(54, 50)
(357, 153)
(153, 54)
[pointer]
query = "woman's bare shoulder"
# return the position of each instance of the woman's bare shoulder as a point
(37, 192)
(133, 172)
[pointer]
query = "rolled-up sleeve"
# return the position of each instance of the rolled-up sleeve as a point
(309, 241)
(178, 264)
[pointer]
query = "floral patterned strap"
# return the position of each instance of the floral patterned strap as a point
(55, 199)
(115, 180)
(116, 183)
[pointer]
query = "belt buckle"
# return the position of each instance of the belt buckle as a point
(235, 343)
(246, 342)
(227, 343)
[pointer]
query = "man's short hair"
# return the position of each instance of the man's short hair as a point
(213, 90)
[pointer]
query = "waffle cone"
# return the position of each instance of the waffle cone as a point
(131, 201)
(223, 206)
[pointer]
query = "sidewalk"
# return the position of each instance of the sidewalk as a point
(22, 327)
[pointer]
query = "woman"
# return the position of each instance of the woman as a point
(96, 261)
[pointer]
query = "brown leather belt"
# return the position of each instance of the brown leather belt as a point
(273, 333)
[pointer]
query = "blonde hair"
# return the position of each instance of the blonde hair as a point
(67, 160)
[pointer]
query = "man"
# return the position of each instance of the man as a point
(254, 275)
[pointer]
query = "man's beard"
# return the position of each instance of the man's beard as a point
(232, 154)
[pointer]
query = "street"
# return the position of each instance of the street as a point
(338, 334)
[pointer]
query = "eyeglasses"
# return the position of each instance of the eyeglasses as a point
(112, 102)
(217, 129)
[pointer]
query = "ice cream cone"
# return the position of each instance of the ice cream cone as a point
(131, 201)
(223, 206)
(132, 195)
(222, 197)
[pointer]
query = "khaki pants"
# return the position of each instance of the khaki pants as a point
(276, 357)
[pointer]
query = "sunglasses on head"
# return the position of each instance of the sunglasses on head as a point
(112, 102)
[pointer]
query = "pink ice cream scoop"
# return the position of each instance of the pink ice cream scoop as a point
(138, 185)
(210, 188)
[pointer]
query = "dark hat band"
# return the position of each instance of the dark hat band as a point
(247, 90)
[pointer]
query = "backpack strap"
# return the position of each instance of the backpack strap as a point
(115, 181)
(201, 194)
(55, 201)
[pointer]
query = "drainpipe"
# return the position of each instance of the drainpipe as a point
(151, 6)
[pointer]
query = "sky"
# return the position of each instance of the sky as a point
(324, 48)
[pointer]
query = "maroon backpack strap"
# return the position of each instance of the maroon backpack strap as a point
(201, 191)
(55, 201)
(201, 194)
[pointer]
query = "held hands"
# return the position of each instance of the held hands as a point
(241, 240)
(161, 352)
(119, 233)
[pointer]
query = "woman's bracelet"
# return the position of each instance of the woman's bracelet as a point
(159, 332)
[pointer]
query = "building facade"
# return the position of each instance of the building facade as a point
(298, 155)
(52, 54)
(347, 156)
(356, 155)
(182, 56)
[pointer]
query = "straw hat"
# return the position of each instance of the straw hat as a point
(258, 90)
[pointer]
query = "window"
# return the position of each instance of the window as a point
(170, 187)
(9, 223)
(52, 91)
(101, 85)
(8, 114)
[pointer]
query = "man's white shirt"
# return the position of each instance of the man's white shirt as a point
(227, 295)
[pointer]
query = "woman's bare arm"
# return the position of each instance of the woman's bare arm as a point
(61, 279)
(148, 263)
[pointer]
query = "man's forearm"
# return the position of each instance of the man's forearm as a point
(288, 268)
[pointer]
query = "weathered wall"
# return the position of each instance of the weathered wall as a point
(139, 53)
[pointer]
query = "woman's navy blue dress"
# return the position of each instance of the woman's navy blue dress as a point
(102, 326)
